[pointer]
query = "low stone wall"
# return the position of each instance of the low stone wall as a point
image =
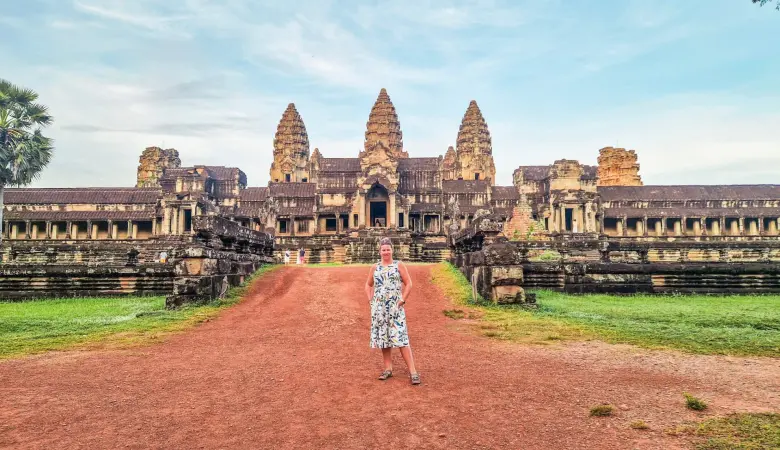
(362, 247)
(190, 268)
(221, 254)
(491, 263)
(70, 281)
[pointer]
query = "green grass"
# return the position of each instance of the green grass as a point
(747, 431)
(44, 325)
(730, 325)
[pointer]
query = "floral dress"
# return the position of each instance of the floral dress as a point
(388, 320)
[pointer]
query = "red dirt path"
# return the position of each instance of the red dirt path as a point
(290, 367)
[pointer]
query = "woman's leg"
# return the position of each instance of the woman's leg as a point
(388, 358)
(406, 352)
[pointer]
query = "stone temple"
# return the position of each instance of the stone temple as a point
(337, 208)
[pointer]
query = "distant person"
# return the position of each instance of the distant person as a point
(301, 254)
(163, 256)
(387, 288)
(287, 256)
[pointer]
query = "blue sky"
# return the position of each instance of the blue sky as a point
(692, 86)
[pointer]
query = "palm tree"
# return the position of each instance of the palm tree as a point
(24, 150)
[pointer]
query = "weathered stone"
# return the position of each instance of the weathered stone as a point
(153, 162)
(474, 150)
(291, 148)
(618, 167)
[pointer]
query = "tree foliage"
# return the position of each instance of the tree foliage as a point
(24, 150)
(764, 2)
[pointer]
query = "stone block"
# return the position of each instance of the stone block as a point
(506, 275)
(508, 295)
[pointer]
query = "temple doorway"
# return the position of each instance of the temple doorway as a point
(377, 206)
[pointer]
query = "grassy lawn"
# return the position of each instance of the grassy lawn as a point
(748, 431)
(732, 325)
(44, 325)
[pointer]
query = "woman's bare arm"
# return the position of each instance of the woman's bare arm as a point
(369, 287)
(407, 281)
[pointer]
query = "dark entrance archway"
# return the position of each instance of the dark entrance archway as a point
(377, 205)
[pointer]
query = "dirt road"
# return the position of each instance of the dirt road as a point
(290, 367)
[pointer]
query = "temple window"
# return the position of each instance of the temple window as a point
(400, 220)
(188, 220)
(287, 177)
(305, 180)
(284, 225)
(476, 176)
(355, 220)
(330, 224)
(303, 226)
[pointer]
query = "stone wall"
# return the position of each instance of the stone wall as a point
(618, 167)
(624, 266)
(362, 246)
(56, 268)
(221, 254)
(187, 268)
(490, 262)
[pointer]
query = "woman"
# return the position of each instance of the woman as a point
(388, 318)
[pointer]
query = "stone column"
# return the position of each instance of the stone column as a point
(624, 226)
(15, 231)
(735, 229)
(134, 234)
(742, 226)
(619, 227)
(292, 225)
(772, 227)
(73, 232)
(112, 230)
(716, 228)
(180, 216)
(697, 228)
(392, 220)
(659, 227)
(6, 230)
(93, 227)
(129, 233)
(644, 226)
(166, 221)
(54, 231)
(722, 224)
(563, 218)
(752, 228)
(362, 209)
(760, 226)
(678, 227)
(48, 229)
(703, 221)
(684, 225)
(27, 229)
(34, 234)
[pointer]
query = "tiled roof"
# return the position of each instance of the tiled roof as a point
(691, 212)
(539, 173)
(405, 164)
(299, 211)
(534, 173)
(426, 207)
(124, 196)
(79, 215)
(465, 186)
(247, 211)
(691, 192)
(292, 189)
(176, 172)
(589, 172)
(253, 194)
(345, 209)
(505, 193)
(340, 165)
(222, 173)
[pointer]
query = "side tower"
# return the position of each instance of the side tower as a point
(474, 151)
(291, 149)
(618, 167)
(152, 164)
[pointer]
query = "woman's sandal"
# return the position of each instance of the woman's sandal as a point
(386, 374)
(415, 377)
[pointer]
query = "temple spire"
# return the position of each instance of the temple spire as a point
(291, 148)
(474, 147)
(383, 126)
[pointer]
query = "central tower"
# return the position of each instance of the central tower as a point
(383, 126)
(291, 149)
(474, 151)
